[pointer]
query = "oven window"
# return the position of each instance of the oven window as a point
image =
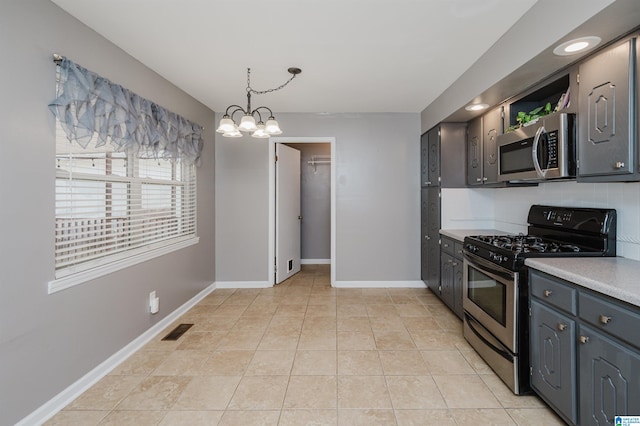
(488, 294)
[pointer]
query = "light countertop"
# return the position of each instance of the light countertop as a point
(616, 277)
(459, 234)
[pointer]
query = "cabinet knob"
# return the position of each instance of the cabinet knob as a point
(446, 245)
(455, 264)
(547, 293)
(604, 319)
(478, 179)
(427, 183)
(562, 327)
(427, 237)
(619, 164)
(584, 339)
(484, 179)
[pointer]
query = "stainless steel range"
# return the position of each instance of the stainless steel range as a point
(495, 289)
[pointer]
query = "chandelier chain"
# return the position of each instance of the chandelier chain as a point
(262, 92)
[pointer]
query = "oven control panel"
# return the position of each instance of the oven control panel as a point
(584, 220)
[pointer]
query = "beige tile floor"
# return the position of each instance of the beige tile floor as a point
(304, 353)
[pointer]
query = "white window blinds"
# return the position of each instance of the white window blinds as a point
(113, 205)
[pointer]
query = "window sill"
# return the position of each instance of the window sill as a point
(78, 278)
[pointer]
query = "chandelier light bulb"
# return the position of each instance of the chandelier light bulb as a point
(247, 123)
(260, 132)
(233, 133)
(272, 127)
(226, 125)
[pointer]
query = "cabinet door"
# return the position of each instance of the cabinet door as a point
(457, 287)
(453, 141)
(553, 358)
(424, 235)
(609, 383)
(424, 160)
(474, 152)
(433, 246)
(491, 128)
(433, 171)
(446, 278)
(606, 142)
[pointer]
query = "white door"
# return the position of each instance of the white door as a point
(287, 212)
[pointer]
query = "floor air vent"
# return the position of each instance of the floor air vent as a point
(177, 332)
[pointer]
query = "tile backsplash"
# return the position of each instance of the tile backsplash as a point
(507, 208)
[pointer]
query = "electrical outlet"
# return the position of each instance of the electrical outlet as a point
(154, 303)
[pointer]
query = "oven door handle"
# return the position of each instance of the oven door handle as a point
(506, 355)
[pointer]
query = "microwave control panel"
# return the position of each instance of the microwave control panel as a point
(550, 142)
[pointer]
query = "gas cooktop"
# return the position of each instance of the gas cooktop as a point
(553, 231)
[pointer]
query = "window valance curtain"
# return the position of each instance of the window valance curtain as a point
(93, 109)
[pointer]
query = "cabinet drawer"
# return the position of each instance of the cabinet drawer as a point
(610, 317)
(447, 245)
(457, 249)
(554, 292)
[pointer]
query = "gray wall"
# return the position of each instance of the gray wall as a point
(377, 197)
(315, 201)
(49, 341)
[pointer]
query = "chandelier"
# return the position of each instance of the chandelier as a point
(248, 123)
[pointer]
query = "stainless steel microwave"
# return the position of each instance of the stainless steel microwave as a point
(543, 150)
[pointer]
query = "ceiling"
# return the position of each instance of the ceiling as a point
(355, 55)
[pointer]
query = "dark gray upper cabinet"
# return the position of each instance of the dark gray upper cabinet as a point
(453, 139)
(492, 126)
(474, 152)
(424, 160)
(482, 148)
(433, 157)
(607, 148)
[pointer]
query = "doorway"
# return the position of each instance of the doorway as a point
(324, 162)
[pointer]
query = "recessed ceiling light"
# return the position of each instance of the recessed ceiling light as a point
(476, 107)
(576, 45)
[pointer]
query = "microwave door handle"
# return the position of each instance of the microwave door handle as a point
(534, 152)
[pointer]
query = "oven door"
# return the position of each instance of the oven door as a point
(489, 295)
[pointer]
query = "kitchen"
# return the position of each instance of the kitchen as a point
(372, 252)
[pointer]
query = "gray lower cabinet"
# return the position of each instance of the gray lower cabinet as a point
(585, 356)
(607, 149)
(609, 376)
(446, 278)
(430, 230)
(451, 274)
(553, 358)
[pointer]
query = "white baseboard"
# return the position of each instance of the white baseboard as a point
(315, 261)
(58, 402)
(379, 284)
(242, 284)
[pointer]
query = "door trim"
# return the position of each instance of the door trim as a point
(272, 203)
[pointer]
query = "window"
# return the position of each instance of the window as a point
(111, 205)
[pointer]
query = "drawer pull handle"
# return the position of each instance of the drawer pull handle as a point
(547, 293)
(604, 319)
(584, 339)
(562, 327)
(619, 164)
